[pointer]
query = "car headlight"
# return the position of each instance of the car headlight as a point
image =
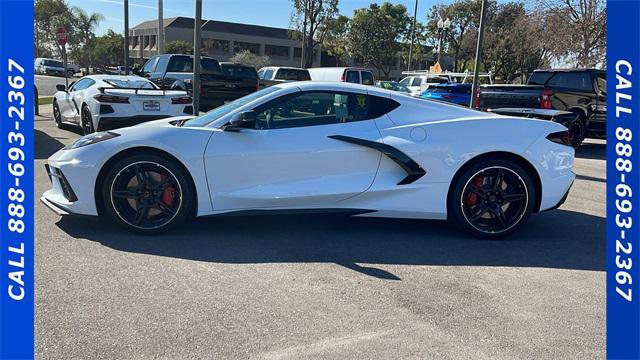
(92, 139)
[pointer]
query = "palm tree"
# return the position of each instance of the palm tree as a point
(84, 35)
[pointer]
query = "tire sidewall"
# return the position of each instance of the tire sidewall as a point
(188, 193)
(85, 110)
(460, 182)
(57, 119)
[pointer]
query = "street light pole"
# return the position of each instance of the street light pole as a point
(160, 44)
(196, 57)
(413, 35)
(476, 68)
(304, 35)
(126, 37)
(443, 27)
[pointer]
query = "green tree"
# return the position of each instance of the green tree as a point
(83, 35)
(178, 47)
(246, 57)
(375, 35)
(48, 16)
(319, 14)
(107, 49)
(335, 39)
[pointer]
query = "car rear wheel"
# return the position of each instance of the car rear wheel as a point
(492, 199)
(86, 121)
(147, 194)
(578, 133)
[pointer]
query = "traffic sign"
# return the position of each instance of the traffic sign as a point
(61, 36)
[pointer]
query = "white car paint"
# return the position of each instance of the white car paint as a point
(300, 168)
(87, 88)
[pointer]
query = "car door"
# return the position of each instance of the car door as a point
(71, 100)
(294, 157)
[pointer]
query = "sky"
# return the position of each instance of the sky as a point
(275, 13)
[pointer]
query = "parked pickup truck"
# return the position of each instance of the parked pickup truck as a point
(175, 71)
(581, 91)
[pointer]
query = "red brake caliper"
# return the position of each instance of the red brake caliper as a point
(168, 192)
(472, 198)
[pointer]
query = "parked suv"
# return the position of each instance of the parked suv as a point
(45, 66)
(345, 74)
(581, 91)
(274, 75)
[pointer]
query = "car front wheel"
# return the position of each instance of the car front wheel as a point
(147, 194)
(492, 199)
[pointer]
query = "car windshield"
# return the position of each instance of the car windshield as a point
(131, 84)
(220, 111)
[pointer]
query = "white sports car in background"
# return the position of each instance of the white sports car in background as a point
(105, 102)
(319, 146)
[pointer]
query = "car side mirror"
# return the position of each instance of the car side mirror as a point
(61, 87)
(243, 120)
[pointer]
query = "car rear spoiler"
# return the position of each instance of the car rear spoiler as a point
(149, 92)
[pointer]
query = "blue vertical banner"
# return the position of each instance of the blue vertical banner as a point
(623, 182)
(16, 180)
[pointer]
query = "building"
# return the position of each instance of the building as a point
(221, 40)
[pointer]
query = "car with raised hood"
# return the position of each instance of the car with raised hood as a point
(319, 146)
(103, 102)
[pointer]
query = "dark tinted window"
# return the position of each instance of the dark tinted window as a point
(163, 61)
(580, 81)
(602, 81)
(244, 72)
(150, 65)
(82, 84)
(293, 74)
(276, 50)
(353, 77)
(539, 77)
(367, 77)
(321, 108)
(53, 63)
(268, 74)
(185, 64)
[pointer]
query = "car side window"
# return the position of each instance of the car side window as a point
(602, 81)
(367, 77)
(416, 81)
(268, 74)
(261, 74)
(161, 64)
(82, 84)
(314, 108)
(579, 81)
(150, 65)
(406, 81)
(353, 77)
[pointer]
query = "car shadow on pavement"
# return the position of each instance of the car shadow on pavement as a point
(47, 145)
(558, 239)
(593, 151)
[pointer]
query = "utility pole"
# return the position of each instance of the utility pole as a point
(160, 41)
(476, 68)
(304, 35)
(197, 24)
(126, 37)
(413, 35)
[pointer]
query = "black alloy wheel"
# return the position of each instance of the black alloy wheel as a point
(147, 194)
(86, 120)
(56, 115)
(577, 133)
(493, 199)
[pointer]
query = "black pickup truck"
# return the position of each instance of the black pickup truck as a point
(175, 71)
(580, 91)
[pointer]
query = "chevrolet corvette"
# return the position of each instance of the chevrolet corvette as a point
(319, 146)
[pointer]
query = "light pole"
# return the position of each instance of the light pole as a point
(196, 58)
(413, 35)
(304, 35)
(160, 44)
(126, 37)
(443, 27)
(476, 68)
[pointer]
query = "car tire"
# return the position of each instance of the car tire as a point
(486, 210)
(578, 132)
(147, 194)
(57, 117)
(86, 120)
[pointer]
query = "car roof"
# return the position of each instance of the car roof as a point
(335, 86)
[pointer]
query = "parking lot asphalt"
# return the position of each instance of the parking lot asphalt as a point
(322, 286)
(47, 84)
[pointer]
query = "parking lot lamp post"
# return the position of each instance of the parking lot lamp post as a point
(443, 27)
(476, 68)
(196, 57)
(413, 35)
(126, 37)
(304, 35)
(160, 29)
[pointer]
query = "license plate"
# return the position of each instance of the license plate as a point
(151, 105)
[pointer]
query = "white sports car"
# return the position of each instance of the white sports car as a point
(319, 146)
(105, 102)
